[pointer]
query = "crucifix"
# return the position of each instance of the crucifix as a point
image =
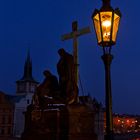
(74, 35)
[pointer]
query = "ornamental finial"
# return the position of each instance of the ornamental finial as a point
(106, 4)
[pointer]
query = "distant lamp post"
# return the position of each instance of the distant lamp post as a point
(106, 22)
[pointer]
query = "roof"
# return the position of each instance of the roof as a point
(27, 76)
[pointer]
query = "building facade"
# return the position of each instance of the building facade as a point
(6, 117)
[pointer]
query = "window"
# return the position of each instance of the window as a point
(9, 131)
(1, 131)
(3, 119)
(28, 101)
(9, 120)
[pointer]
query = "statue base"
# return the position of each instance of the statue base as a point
(59, 122)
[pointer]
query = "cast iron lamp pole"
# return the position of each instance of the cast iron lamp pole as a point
(106, 23)
(107, 59)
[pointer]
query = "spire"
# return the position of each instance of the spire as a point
(26, 84)
(28, 55)
(28, 69)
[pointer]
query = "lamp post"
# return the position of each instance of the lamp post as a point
(106, 23)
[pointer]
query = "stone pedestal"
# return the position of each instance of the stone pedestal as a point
(59, 122)
(81, 123)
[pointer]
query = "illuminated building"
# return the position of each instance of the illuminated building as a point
(125, 123)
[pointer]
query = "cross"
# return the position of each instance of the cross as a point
(74, 35)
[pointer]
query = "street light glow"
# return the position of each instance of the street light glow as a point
(106, 23)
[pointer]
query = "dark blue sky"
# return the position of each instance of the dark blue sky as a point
(39, 24)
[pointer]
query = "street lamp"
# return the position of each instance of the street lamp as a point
(106, 22)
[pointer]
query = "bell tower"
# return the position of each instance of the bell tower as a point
(26, 84)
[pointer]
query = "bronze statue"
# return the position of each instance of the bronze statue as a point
(66, 72)
(47, 90)
(50, 91)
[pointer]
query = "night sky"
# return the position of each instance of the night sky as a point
(39, 24)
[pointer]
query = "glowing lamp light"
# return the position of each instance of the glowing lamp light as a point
(118, 120)
(106, 23)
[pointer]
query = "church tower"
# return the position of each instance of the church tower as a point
(26, 84)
